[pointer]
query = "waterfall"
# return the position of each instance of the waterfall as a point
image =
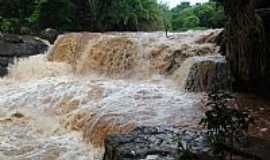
(63, 104)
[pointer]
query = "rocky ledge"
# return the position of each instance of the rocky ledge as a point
(209, 74)
(155, 143)
(162, 143)
(15, 46)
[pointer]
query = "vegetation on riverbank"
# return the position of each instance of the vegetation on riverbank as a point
(24, 16)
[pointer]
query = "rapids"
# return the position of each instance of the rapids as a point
(61, 106)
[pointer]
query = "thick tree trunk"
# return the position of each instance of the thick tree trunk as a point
(246, 47)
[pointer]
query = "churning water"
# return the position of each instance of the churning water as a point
(61, 106)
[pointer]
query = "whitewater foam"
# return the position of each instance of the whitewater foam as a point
(91, 85)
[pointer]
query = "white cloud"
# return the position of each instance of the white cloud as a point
(173, 3)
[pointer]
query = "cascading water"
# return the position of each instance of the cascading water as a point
(91, 85)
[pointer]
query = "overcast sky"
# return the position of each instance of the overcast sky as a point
(173, 3)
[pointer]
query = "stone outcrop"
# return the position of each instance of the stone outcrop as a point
(14, 46)
(162, 143)
(209, 74)
(50, 35)
(3, 71)
(154, 143)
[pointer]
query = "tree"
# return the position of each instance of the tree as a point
(210, 15)
(166, 17)
(218, 19)
(128, 15)
(204, 12)
(247, 49)
(177, 20)
(191, 21)
(14, 13)
(53, 13)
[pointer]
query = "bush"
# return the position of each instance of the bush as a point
(210, 15)
(7, 25)
(191, 22)
(226, 125)
(53, 13)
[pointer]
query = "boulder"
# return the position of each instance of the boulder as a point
(15, 46)
(3, 71)
(25, 30)
(50, 35)
(11, 38)
(155, 143)
(162, 143)
(208, 74)
(21, 46)
(213, 37)
(4, 61)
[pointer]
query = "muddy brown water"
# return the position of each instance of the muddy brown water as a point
(61, 106)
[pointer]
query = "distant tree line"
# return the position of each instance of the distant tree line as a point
(201, 16)
(19, 16)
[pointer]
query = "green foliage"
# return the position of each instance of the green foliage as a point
(218, 19)
(191, 22)
(226, 126)
(166, 16)
(210, 15)
(107, 15)
(53, 13)
(14, 13)
(130, 15)
(179, 13)
(204, 13)
(16, 8)
(184, 152)
(6, 25)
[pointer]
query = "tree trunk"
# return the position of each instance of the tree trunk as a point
(246, 49)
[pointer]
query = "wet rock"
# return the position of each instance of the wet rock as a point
(50, 35)
(3, 71)
(15, 46)
(11, 38)
(4, 61)
(21, 46)
(213, 37)
(17, 115)
(154, 143)
(25, 30)
(209, 74)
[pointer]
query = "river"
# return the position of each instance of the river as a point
(61, 105)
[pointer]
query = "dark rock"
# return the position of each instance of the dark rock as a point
(213, 37)
(262, 3)
(50, 35)
(209, 74)
(3, 71)
(15, 46)
(11, 38)
(25, 31)
(4, 61)
(160, 143)
(264, 13)
(220, 41)
(21, 46)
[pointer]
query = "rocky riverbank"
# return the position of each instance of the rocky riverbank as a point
(155, 143)
(209, 74)
(15, 47)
